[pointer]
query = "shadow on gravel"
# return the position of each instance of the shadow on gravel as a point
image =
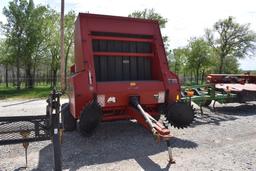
(241, 110)
(210, 118)
(20, 169)
(147, 164)
(224, 113)
(112, 142)
(182, 143)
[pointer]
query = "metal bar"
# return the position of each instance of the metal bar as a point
(18, 141)
(16, 131)
(146, 116)
(37, 130)
(62, 52)
(26, 156)
(55, 131)
(56, 144)
(171, 160)
(125, 39)
(22, 118)
(123, 54)
(115, 117)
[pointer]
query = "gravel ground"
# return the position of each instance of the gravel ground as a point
(224, 140)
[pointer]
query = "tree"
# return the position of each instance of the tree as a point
(4, 59)
(229, 38)
(152, 15)
(149, 14)
(34, 38)
(24, 34)
(179, 60)
(199, 56)
(231, 65)
(14, 31)
(69, 37)
(53, 42)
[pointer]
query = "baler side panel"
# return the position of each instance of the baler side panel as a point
(80, 81)
(79, 63)
(172, 86)
(72, 97)
(83, 94)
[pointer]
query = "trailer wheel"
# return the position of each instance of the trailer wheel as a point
(180, 115)
(90, 118)
(69, 122)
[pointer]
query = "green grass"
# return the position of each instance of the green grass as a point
(37, 92)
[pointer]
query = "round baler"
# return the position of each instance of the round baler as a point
(118, 59)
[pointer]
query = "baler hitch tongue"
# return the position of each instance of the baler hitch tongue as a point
(159, 131)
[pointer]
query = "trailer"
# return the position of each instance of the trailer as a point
(33, 128)
(27, 129)
(222, 88)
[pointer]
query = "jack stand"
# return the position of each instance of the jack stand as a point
(171, 160)
(201, 110)
(25, 135)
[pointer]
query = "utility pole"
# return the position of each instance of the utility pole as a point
(62, 53)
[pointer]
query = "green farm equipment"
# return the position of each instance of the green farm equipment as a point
(222, 88)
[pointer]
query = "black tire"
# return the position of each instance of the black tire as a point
(69, 122)
(207, 103)
(90, 118)
(180, 115)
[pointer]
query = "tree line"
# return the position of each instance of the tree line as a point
(30, 49)
(217, 51)
(31, 44)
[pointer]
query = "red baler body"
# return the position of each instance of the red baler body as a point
(118, 57)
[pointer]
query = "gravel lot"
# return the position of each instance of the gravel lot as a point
(224, 140)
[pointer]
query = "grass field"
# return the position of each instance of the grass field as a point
(37, 92)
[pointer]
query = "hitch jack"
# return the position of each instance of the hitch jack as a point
(25, 134)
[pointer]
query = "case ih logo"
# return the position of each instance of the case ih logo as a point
(111, 100)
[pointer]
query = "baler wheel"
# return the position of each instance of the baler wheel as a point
(69, 122)
(180, 115)
(90, 118)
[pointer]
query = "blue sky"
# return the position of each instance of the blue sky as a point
(186, 18)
